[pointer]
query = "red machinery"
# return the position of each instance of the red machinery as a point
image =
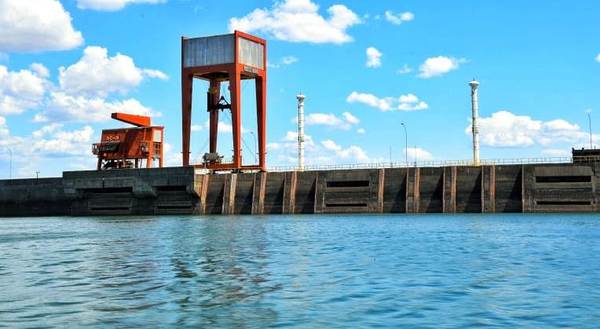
(130, 147)
(216, 59)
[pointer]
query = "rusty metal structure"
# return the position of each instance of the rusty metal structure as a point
(217, 59)
(135, 147)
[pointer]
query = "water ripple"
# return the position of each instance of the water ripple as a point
(425, 271)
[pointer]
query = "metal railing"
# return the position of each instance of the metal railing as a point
(444, 163)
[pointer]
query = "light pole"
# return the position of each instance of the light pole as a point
(254, 139)
(475, 117)
(300, 97)
(589, 115)
(405, 143)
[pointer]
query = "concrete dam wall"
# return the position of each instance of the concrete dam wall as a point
(460, 189)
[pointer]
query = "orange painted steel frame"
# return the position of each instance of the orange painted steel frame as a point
(216, 74)
(136, 143)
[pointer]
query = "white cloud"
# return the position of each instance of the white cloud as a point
(361, 131)
(324, 152)
(172, 157)
(405, 69)
(292, 136)
(345, 122)
(505, 129)
(408, 102)
(299, 21)
(50, 148)
(155, 74)
(399, 18)
(32, 26)
(330, 145)
(110, 5)
(440, 65)
(223, 127)
(53, 141)
(40, 70)
(556, 152)
(286, 60)
(82, 92)
(22, 90)
(4, 132)
(353, 152)
(63, 107)
(350, 118)
(418, 154)
(97, 74)
(598, 58)
(373, 57)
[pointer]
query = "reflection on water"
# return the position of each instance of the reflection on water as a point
(302, 271)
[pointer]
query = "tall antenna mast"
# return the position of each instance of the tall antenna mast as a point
(475, 122)
(300, 99)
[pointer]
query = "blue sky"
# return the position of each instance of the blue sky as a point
(365, 67)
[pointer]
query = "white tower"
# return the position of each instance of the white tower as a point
(300, 99)
(475, 113)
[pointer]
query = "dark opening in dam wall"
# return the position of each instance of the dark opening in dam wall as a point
(453, 189)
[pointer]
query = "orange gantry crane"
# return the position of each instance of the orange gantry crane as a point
(229, 59)
(133, 147)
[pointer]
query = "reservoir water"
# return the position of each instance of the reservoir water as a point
(429, 271)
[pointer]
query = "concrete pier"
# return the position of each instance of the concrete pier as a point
(453, 189)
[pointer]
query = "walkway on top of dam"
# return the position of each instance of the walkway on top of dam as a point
(430, 163)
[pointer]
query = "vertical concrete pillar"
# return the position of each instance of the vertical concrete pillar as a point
(258, 193)
(319, 193)
(528, 188)
(413, 177)
(380, 190)
(289, 192)
(595, 182)
(229, 194)
(449, 190)
(488, 189)
(203, 193)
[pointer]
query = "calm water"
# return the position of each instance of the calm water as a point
(306, 272)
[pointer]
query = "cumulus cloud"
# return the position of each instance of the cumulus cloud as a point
(437, 66)
(53, 141)
(83, 91)
(417, 154)
(373, 57)
(506, 129)
(299, 21)
(321, 152)
(111, 5)
(49, 145)
(598, 58)
(345, 122)
(65, 107)
(97, 74)
(399, 18)
(408, 102)
(33, 26)
(353, 152)
(22, 90)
